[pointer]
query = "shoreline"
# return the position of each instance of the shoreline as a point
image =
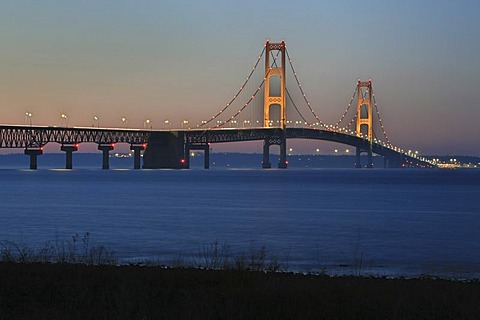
(81, 249)
(78, 291)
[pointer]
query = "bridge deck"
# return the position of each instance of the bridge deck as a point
(37, 136)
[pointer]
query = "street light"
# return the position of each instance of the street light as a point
(125, 121)
(184, 122)
(147, 124)
(28, 118)
(64, 119)
(96, 119)
(168, 123)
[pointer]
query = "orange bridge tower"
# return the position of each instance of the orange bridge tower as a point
(275, 102)
(364, 123)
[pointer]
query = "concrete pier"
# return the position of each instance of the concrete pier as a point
(165, 150)
(358, 163)
(69, 150)
(280, 140)
(266, 155)
(106, 148)
(282, 164)
(137, 149)
(33, 154)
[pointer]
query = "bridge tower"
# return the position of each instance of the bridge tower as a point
(274, 95)
(364, 119)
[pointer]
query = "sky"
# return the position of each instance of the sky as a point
(183, 60)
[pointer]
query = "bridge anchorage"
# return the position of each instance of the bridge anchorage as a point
(171, 149)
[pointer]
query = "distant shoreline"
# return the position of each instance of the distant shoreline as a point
(217, 160)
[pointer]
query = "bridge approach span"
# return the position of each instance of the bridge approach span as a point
(38, 136)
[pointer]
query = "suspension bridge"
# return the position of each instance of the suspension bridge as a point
(271, 112)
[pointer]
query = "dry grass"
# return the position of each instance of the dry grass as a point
(68, 291)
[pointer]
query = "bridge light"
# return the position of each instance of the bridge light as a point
(28, 118)
(96, 119)
(125, 121)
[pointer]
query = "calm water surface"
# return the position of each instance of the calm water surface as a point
(399, 222)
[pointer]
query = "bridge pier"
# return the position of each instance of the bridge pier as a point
(106, 153)
(370, 158)
(280, 141)
(206, 155)
(33, 154)
(282, 164)
(69, 149)
(137, 149)
(394, 161)
(358, 162)
(166, 150)
(266, 155)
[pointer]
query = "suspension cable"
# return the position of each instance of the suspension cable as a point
(303, 93)
(253, 96)
(242, 108)
(288, 93)
(346, 127)
(296, 108)
(238, 93)
(347, 109)
(380, 119)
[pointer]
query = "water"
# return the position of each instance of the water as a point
(383, 222)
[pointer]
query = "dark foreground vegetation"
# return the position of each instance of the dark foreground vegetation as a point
(79, 291)
(73, 279)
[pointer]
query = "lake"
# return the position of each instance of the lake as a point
(385, 222)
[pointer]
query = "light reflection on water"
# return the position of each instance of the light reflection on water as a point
(397, 221)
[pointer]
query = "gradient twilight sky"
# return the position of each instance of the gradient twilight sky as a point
(185, 59)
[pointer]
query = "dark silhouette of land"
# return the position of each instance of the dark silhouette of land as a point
(77, 291)
(217, 160)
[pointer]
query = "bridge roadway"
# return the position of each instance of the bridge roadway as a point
(276, 136)
(171, 148)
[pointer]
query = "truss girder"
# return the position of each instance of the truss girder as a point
(35, 137)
